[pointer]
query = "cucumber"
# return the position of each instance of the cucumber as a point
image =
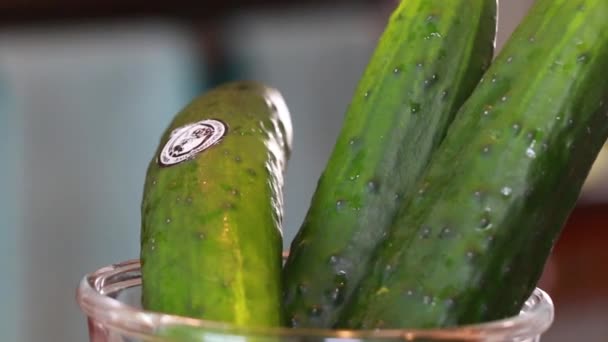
(471, 245)
(428, 60)
(212, 208)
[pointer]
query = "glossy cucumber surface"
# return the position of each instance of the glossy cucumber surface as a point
(471, 245)
(428, 60)
(212, 208)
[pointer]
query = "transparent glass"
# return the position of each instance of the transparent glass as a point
(110, 298)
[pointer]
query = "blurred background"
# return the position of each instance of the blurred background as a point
(86, 88)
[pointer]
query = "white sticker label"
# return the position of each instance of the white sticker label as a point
(187, 141)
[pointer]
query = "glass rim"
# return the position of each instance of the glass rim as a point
(93, 298)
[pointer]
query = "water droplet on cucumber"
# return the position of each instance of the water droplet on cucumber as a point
(337, 294)
(445, 232)
(485, 222)
(516, 128)
(372, 186)
(340, 204)
(294, 322)
(530, 150)
(414, 107)
(425, 233)
(430, 81)
(582, 58)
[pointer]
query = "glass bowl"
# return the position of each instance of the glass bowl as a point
(110, 299)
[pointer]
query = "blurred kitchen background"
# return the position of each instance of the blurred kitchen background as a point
(86, 88)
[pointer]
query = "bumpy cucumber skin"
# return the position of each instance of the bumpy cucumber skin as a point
(471, 246)
(427, 62)
(211, 240)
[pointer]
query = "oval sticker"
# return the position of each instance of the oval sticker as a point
(189, 140)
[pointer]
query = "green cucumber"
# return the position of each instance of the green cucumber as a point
(211, 240)
(428, 60)
(470, 247)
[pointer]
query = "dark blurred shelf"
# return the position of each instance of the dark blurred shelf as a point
(24, 11)
(581, 254)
